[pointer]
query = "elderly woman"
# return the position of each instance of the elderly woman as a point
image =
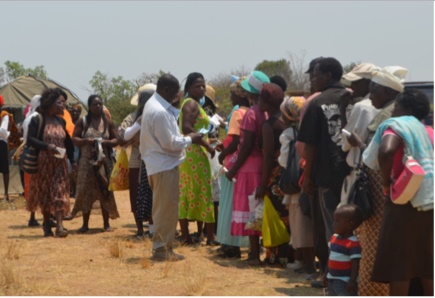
(50, 185)
(301, 226)
(196, 198)
(248, 165)
(231, 244)
(405, 245)
(141, 194)
(95, 136)
(385, 86)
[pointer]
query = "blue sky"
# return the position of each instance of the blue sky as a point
(75, 39)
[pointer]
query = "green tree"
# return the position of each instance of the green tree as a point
(14, 69)
(146, 78)
(276, 67)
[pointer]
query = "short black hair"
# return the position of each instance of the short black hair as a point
(63, 93)
(331, 65)
(414, 101)
(167, 80)
(352, 212)
(280, 81)
(48, 97)
(313, 63)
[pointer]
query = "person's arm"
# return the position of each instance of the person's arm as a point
(309, 153)
(32, 135)
(389, 145)
(245, 151)
(351, 284)
(268, 158)
(131, 131)
(190, 112)
(113, 136)
(232, 147)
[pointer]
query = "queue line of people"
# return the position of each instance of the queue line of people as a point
(174, 182)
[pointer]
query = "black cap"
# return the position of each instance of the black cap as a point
(313, 63)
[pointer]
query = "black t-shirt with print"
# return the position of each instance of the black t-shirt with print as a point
(321, 127)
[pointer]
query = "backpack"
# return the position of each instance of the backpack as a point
(14, 136)
(289, 180)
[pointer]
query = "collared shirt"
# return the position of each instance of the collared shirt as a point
(161, 143)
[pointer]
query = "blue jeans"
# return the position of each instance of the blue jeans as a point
(337, 287)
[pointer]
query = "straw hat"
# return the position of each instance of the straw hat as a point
(135, 99)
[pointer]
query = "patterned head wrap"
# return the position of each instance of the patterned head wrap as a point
(237, 88)
(291, 107)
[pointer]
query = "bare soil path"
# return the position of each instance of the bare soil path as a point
(114, 264)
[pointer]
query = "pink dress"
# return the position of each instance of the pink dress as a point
(249, 175)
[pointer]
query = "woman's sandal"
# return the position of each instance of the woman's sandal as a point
(61, 233)
(108, 229)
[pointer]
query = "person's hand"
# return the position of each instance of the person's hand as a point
(354, 140)
(230, 175)
(351, 286)
(211, 150)
(52, 149)
(122, 142)
(90, 141)
(308, 186)
(196, 137)
(260, 192)
(219, 147)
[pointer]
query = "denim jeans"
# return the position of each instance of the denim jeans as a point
(337, 287)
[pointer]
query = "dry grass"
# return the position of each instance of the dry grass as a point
(13, 250)
(195, 282)
(10, 278)
(167, 267)
(116, 249)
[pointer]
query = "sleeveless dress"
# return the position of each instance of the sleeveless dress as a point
(49, 187)
(196, 197)
(89, 189)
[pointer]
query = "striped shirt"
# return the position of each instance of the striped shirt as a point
(342, 251)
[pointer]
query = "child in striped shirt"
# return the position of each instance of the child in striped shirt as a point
(345, 252)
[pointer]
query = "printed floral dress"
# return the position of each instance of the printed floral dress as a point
(196, 198)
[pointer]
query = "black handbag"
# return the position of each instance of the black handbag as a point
(289, 180)
(28, 161)
(360, 192)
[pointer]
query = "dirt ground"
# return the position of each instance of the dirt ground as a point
(115, 264)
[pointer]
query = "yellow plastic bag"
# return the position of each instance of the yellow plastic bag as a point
(119, 177)
(273, 229)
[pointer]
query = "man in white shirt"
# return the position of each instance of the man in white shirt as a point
(4, 159)
(162, 149)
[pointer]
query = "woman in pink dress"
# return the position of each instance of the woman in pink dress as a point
(247, 167)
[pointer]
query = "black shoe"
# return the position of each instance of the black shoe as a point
(33, 223)
(47, 231)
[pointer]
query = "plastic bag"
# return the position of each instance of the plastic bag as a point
(216, 167)
(255, 220)
(273, 228)
(119, 176)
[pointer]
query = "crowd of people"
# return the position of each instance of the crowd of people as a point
(180, 172)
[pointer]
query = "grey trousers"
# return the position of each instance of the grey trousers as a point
(165, 186)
